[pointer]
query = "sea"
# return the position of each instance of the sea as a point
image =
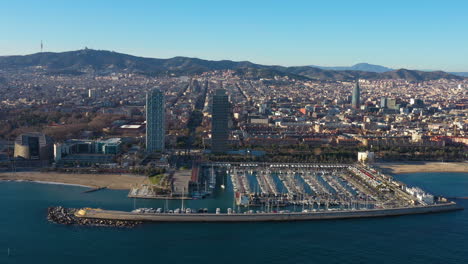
(26, 236)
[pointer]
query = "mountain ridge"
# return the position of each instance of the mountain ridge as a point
(103, 61)
(376, 68)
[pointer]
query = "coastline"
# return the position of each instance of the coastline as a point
(421, 166)
(127, 181)
(53, 183)
(110, 181)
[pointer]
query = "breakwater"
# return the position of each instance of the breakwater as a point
(265, 217)
(67, 216)
(95, 189)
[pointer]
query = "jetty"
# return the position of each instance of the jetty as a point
(68, 216)
(95, 189)
(125, 218)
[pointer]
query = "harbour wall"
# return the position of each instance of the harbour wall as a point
(268, 217)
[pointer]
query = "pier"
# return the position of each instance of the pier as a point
(95, 189)
(263, 217)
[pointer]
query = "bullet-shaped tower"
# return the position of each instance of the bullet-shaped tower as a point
(356, 98)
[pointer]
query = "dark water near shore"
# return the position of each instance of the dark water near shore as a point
(436, 238)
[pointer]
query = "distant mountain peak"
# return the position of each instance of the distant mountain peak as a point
(363, 66)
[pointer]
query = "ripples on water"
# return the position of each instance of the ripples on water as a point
(436, 238)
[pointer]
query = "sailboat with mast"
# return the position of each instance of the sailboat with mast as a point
(222, 185)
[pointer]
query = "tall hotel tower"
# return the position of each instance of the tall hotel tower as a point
(155, 121)
(355, 100)
(219, 122)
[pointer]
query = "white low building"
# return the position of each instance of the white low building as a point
(366, 156)
(420, 195)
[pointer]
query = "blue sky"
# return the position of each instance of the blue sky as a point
(400, 34)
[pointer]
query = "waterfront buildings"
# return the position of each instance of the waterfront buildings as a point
(356, 97)
(87, 152)
(219, 125)
(155, 120)
(34, 146)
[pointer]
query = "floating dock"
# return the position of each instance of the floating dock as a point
(264, 217)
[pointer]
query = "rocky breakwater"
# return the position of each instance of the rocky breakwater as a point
(66, 216)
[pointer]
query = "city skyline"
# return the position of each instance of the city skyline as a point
(415, 37)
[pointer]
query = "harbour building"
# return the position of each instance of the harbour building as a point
(356, 97)
(155, 121)
(219, 122)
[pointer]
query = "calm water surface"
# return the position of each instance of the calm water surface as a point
(436, 238)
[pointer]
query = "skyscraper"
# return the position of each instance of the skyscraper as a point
(355, 100)
(383, 102)
(155, 121)
(93, 93)
(219, 122)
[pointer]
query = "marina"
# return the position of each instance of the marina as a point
(286, 192)
(291, 186)
(315, 186)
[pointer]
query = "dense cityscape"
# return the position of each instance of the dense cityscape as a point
(424, 119)
(170, 129)
(233, 132)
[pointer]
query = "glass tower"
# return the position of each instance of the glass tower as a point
(355, 100)
(155, 121)
(219, 122)
(383, 102)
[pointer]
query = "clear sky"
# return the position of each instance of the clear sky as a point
(414, 34)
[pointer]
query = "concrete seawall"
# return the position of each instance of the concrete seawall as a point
(267, 217)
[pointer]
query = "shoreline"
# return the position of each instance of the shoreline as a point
(49, 182)
(421, 166)
(127, 181)
(110, 181)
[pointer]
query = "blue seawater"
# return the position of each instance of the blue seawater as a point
(24, 229)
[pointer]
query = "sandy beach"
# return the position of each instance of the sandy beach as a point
(412, 167)
(126, 181)
(111, 181)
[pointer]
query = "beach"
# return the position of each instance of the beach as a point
(111, 181)
(126, 181)
(413, 167)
